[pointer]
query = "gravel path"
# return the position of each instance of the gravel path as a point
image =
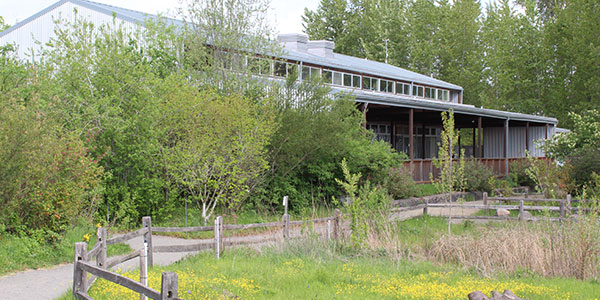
(48, 284)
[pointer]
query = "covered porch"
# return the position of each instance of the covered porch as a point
(496, 138)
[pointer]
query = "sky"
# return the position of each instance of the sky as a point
(285, 15)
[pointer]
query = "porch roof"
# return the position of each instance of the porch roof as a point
(411, 102)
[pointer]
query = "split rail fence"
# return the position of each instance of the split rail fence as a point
(565, 207)
(169, 289)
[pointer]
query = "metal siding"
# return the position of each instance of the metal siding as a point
(41, 29)
(536, 140)
(493, 142)
(516, 142)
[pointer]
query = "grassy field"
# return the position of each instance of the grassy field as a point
(249, 275)
(313, 269)
(25, 252)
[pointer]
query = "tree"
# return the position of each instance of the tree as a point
(3, 26)
(215, 148)
(451, 176)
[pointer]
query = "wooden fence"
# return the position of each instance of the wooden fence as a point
(82, 264)
(565, 207)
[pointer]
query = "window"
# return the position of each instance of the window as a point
(356, 81)
(402, 88)
(418, 91)
(439, 94)
(310, 72)
(347, 80)
(386, 86)
(280, 69)
(445, 95)
(259, 66)
(327, 76)
(337, 78)
(370, 83)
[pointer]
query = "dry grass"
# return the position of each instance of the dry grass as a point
(568, 249)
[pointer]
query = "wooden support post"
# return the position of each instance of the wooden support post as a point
(147, 223)
(527, 136)
(474, 152)
(143, 271)
(101, 257)
(485, 201)
(218, 242)
(569, 209)
(411, 128)
(425, 210)
(562, 209)
(393, 135)
(337, 216)
(329, 230)
(422, 145)
(169, 288)
(506, 147)
(79, 276)
(521, 209)
(479, 137)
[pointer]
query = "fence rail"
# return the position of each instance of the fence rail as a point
(82, 265)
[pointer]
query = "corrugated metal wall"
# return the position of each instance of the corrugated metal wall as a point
(493, 141)
(42, 28)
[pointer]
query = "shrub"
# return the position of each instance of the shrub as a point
(585, 162)
(400, 184)
(477, 176)
(47, 178)
(518, 173)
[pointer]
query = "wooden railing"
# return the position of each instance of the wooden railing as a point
(565, 207)
(422, 168)
(82, 264)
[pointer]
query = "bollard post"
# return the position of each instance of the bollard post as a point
(143, 270)
(101, 257)
(217, 237)
(169, 288)
(147, 223)
(79, 276)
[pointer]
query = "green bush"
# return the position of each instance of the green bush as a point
(47, 178)
(400, 183)
(585, 162)
(518, 173)
(477, 176)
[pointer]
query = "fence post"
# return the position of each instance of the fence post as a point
(329, 230)
(143, 271)
(286, 226)
(218, 242)
(79, 276)
(526, 192)
(562, 209)
(425, 209)
(147, 222)
(336, 224)
(569, 210)
(101, 257)
(521, 209)
(485, 201)
(169, 287)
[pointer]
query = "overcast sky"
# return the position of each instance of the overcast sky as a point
(284, 14)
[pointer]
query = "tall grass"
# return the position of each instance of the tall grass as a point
(568, 249)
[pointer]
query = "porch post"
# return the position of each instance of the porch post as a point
(393, 137)
(423, 140)
(411, 126)
(474, 154)
(506, 147)
(527, 136)
(479, 129)
(364, 111)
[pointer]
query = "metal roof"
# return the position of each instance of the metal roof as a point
(410, 102)
(120, 13)
(368, 67)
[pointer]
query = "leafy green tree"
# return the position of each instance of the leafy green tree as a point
(215, 149)
(3, 26)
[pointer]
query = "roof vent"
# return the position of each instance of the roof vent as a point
(293, 41)
(321, 48)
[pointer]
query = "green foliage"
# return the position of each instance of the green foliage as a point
(550, 179)
(47, 177)
(452, 174)
(314, 131)
(477, 176)
(3, 26)
(366, 204)
(518, 173)
(400, 184)
(580, 147)
(216, 148)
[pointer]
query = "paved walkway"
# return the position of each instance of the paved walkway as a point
(48, 284)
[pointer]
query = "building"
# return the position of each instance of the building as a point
(400, 106)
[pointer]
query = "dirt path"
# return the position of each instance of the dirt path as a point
(436, 211)
(48, 284)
